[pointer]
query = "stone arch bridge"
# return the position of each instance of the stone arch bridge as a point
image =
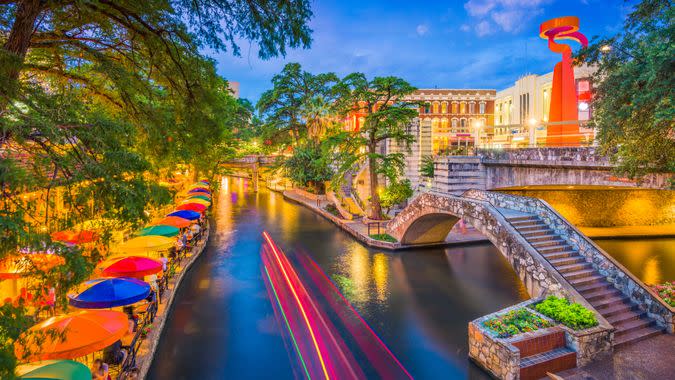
(549, 255)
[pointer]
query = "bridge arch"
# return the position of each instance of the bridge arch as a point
(429, 228)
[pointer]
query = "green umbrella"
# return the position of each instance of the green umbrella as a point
(160, 230)
(204, 197)
(54, 369)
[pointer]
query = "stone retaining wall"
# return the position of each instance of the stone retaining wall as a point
(622, 279)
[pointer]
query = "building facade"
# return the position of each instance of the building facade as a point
(521, 111)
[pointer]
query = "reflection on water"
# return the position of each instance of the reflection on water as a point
(651, 260)
(418, 301)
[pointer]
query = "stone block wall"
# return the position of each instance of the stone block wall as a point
(590, 344)
(622, 279)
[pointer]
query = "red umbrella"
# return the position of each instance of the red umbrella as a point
(131, 266)
(197, 207)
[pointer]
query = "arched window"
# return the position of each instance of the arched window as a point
(471, 122)
(462, 123)
(472, 108)
(454, 107)
(462, 107)
(434, 124)
(454, 124)
(481, 108)
(435, 107)
(444, 125)
(444, 107)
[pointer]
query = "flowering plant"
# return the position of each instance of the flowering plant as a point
(666, 291)
(515, 322)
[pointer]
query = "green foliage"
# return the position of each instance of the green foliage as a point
(309, 166)
(569, 314)
(384, 237)
(634, 99)
(515, 322)
(397, 192)
(427, 167)
(387, 117)
(331, 208)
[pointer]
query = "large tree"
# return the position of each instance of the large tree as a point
(298, 103)
(388, 117)
(634, 97)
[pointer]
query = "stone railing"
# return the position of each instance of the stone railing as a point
(332, 197)
(571, 155)
(622, 279)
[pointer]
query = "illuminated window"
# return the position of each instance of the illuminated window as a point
(454, 107)
(435, 107)
(462, 108)
(444, 107)
(444, 125)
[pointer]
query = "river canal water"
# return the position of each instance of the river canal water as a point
(418, 301)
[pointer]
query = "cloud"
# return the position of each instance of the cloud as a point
(465, 28)
(491, 16)
(422, 29)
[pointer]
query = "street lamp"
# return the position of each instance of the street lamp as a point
(606, 48)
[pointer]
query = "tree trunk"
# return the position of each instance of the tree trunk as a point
(375, 207)
(17, 45)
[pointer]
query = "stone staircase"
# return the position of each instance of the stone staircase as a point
(631, 323)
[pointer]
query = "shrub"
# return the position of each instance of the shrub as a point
(384, 237)
(333, 210)
(515, 322)
(666, 291)
(569, 314)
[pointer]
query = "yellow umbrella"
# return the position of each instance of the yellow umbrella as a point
(144, 244)
(198, 185)
(196, 200)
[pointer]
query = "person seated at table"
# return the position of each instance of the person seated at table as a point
(195, 229)
(114, 354)
(99, 371)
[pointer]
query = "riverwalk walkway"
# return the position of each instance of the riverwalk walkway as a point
(358, 229)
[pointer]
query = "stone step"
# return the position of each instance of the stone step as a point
(594, 287)
(626, 316)
(587, 280)
(600, 293)
(568, 268)
(626, 327)
(527, 223)
(541, 237)
(554, 241)
(559, 263)
(533, 228)
(556, 248)
(637, 336)
(520, 218)
(558, 255)
(616, 308)
(606, 301)
(583, 273)
(536, 366)
(540, 232)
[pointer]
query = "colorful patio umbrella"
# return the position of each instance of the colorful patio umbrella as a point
(199, 184)
(130, 266)
(149, 243)
(204, 196)
(196, 200)
(54, 370)
(196, 207)
(72, 335)
(185, 214)
(75, 237)
(199, 190)
(103, 293)
(19, 266)
(160, 230)
(175, 221)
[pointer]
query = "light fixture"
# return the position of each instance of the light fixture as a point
(583, 106)
(532, 122)
(606, 48)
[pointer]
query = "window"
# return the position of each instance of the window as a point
(435, 107)
(454, 124)
(481, 108)
(472, 108)
(524, 107)
(462, 108)
(444, 107)
(444, 124)
(427, 108)
(462, 124)
(454, 107)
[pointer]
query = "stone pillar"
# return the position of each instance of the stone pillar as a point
(255, 176)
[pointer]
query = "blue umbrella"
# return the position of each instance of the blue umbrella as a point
(103, 293)
(185, 214)
(199, 190)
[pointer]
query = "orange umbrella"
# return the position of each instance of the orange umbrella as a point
(174, 221)
(75, 237)
(18, 266)
(72, 335)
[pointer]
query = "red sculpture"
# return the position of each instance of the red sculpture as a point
(564, 93)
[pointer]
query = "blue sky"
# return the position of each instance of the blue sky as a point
(448, 44)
